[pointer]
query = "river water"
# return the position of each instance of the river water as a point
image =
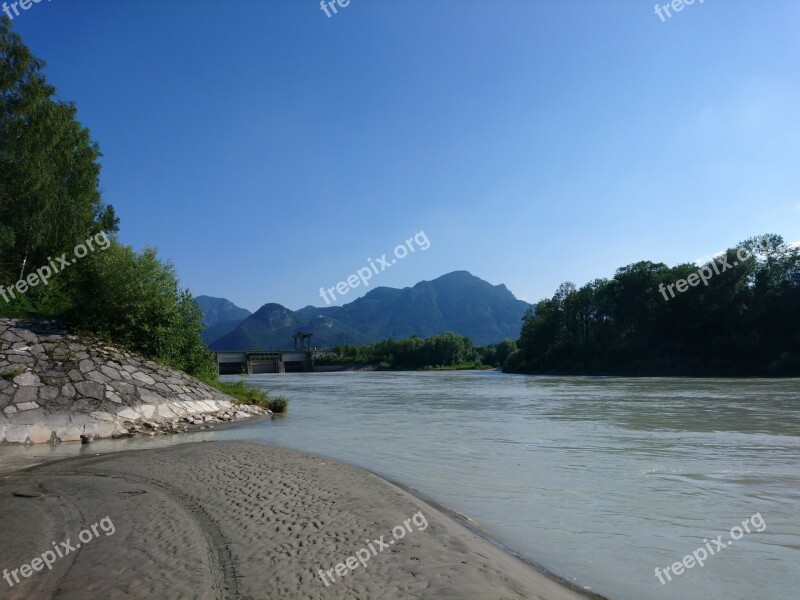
(601, 480)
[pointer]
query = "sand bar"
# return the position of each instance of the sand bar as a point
(241, 520)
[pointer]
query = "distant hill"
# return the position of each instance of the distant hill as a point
(458, 302)
(220, 317)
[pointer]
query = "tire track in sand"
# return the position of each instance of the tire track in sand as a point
(223, 569)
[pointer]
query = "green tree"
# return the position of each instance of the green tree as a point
(743, 320)
(49, 193)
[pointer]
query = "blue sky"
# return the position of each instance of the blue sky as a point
(269, 150)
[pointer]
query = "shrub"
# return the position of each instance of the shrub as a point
(249, 395)
(135, 300)
(277, 404)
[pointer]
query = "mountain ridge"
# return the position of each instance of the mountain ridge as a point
(220, 317)
(457, 301)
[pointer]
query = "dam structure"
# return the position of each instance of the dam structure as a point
(266, 361)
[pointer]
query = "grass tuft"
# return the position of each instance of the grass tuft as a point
(251, 395)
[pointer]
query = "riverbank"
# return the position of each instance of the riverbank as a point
(240, 520)
(58, 387)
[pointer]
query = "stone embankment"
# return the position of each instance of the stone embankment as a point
(55, 387)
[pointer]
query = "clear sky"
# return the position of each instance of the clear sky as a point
(269, 150)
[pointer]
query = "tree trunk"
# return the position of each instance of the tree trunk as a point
(24, 262)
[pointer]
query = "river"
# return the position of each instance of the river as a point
(601, 480)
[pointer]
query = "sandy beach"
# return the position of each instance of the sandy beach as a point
(240, 520)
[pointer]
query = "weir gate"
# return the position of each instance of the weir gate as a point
(268, 361)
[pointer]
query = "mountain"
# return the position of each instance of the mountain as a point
(458, 302)
(220, 317)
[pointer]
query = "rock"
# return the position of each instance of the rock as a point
(48, 393)
(97, 377)
(119, 431)
(209, 405)
(124, 389)
(55, 420)
(27, 379)
(101, 416)
(90, 389)
(105, 429)
(20, 359)
(196, 406)
(27, 406)
(10, 337)
(165, 411)
(7, 370)
(139, 376)
(25, 395)
(17, 433)
(39, 434)
(85, 405)
(27, 336)
(109, 372)
(69, 433)
(128, 413)
(150, 396)
(58, 387)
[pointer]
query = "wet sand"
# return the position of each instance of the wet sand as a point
(241, 520)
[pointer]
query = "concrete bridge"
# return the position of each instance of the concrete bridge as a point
(267, 361)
